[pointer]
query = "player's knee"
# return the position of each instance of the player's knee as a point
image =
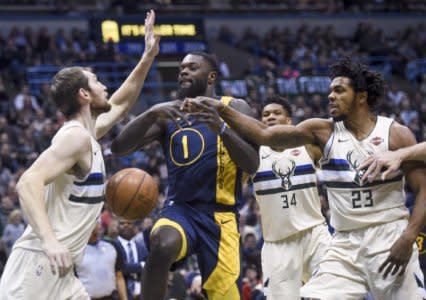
(165, 244)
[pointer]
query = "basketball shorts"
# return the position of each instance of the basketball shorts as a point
(213, 236)
(27, 276)
(285, 264)
(350, 267)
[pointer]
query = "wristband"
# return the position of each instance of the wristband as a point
(222, 128)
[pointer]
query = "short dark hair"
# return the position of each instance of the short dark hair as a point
(211, 60)
(64, 89)
(277, 99)
(362, 79)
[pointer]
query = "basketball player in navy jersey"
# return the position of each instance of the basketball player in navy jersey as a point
(205, 163)
(373, 248)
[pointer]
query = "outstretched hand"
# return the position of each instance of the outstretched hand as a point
(390, 161)
(152, 40)
(171, 110)
(202, 104)
(205, 109)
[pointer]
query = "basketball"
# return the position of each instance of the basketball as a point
(131, 193)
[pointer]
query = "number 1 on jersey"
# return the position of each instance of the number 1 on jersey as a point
(185, 146)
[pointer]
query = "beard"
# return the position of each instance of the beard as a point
(197, 88)
(340, 118)
(344, 116)
(100, 108)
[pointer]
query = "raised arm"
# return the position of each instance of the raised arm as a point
(124, 98)
(63, 155)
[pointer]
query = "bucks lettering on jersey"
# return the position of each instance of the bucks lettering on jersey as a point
(355, 205)
(286, 190)
(72, 204)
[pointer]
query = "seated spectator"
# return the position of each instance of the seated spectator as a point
(6, 207)
(250, 250)
(3, 256)
(252, 283)
(144, 229)
(13, 230)
(10, 130)
(5, 177)
(43, 137)
(395, 95)
(8, 156)
(407, 113)
(111, 228)
(4, 99)
(26, 115)
(19, 101)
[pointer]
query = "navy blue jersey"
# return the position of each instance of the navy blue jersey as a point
(199, 166)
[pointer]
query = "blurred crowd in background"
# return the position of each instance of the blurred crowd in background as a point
(28, 120)
(83, 7)
(309, 50)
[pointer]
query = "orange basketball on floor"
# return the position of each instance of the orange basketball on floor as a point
(131, 193)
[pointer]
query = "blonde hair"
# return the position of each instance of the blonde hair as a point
(14, 214)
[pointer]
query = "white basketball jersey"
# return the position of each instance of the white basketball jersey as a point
(354, 205)
(286, 190)
(72, 204)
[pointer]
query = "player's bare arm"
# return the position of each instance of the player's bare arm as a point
(242, 152)
(124, 98)
(64, 156)
(315, 152)
(390, 161)
(415, 174)
(147, 127)
(312, 131)
(415, 152)
(308, 132)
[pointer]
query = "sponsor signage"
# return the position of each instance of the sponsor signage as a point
(178, 35)
(292, 86)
